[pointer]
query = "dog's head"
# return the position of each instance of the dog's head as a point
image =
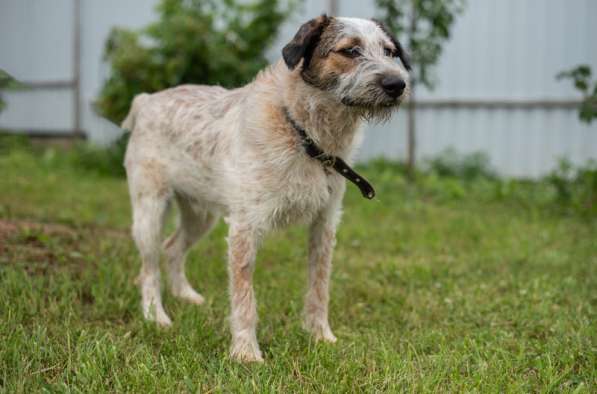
(357, 60)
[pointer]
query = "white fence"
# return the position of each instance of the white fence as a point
(496, 88)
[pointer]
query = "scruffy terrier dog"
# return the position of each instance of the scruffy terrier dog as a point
(265, 155)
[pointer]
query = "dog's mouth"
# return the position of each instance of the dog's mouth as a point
(385, 103)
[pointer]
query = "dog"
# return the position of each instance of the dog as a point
(263, 156)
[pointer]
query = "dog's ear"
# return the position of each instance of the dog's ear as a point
(304, 42)
(400, 52)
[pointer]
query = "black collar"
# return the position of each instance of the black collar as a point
(335, 162)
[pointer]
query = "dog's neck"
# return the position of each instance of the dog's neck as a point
(332, 125)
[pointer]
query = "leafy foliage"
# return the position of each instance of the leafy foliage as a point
(426, 24)
(467, 167)
(6, 82)
(582, 78)
(194, 41)
(101, 160)
(450, 176)
(576, 187)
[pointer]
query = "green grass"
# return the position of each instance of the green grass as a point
(441, 286)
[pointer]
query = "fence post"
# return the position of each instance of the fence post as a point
(333, 7)
(412, 135)
(77, 129)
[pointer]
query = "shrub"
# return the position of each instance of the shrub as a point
(467, 167)
(576, 187)
(9, 142)
(194, 41)
(101, 160)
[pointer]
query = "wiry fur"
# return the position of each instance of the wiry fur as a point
(232, 153)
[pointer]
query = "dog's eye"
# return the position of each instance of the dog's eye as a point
(350, 52)
(388, 52)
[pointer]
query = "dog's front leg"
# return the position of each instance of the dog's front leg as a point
(321, 245)
(242, 245)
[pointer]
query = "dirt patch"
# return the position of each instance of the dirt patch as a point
(6, 229)
(41, 247)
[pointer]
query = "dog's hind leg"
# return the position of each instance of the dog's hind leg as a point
(149, 198)
(195, 221)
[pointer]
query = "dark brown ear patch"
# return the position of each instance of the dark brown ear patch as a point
(400, 52)
(304, 42)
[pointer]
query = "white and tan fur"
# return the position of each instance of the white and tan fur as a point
(233, 154)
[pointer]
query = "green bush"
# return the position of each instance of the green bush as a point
(451, 177)
(9, 142)
(575, 187)
(194, 41)
(450, 163)
(101, 160)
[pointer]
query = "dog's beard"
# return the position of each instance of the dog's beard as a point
(376, 114)
(379, 111)
(370, 102)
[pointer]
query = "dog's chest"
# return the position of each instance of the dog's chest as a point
(300, 197)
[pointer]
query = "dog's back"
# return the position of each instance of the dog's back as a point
(167, 103)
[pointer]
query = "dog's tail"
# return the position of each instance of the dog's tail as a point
(129, 122)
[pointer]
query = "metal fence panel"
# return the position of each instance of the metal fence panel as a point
(505, 53)
(35, 39)
(41, 111)
(498, 72)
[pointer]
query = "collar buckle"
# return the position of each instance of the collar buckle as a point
(332, 161)
(328, 161)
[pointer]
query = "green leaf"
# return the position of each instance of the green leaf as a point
(581, 85)
(581, 76)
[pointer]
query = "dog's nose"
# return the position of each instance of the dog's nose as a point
(393, 85)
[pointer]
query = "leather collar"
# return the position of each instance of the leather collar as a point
(335, 162)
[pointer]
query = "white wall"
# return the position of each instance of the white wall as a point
(500, 50)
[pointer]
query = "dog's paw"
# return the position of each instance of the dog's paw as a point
(320, 331)
(164, 321)
(324, 335)
(190, 295)
(157, 315)
(245, 350)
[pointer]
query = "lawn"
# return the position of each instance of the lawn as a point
(441, 285)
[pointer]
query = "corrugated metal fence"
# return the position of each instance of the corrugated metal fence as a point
(496, 89)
